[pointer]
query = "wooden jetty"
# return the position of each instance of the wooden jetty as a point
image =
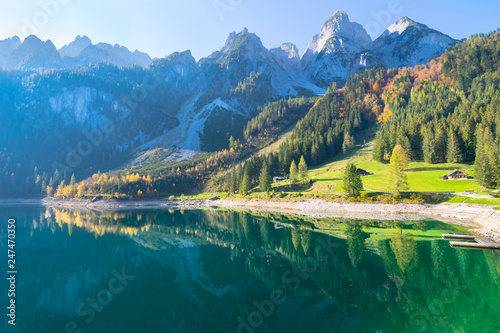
(481, 242)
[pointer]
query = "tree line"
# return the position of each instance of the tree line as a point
(454, 123)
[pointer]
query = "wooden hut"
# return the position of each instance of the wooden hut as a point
(362, 172)
(457, 174)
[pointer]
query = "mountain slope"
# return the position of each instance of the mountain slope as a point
(73, 49)
(343, 47)
(176, 101)
(115, 54)
(337, 52)
(7, 47)
(32, 53)
(408, 43)
(228, 87)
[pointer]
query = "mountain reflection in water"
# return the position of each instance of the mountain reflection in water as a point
(214, 270)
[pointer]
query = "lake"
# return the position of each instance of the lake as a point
(218, 270)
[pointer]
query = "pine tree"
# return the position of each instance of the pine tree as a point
(468, 137)
(352, 181)
(73, 180)
(405, 143)
(57, 177)
(264, 179)
(303, 169)
(454, 151)
(485, 167)
(399, 163)
(429, 147)
(441, 144)
(315, 153)
(293, 173)
(232, 142)
(246, 183)
(348, 142)
(233, 181)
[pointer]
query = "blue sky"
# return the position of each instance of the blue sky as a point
(161, 27)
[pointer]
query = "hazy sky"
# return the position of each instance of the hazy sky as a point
(161, 27)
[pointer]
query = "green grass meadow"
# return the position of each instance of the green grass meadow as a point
(422, 177)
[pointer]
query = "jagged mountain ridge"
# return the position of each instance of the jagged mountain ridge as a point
(337, 52)
(227, 86)
(343, 47)
(33, 53)
(192, 105)
(408, 43)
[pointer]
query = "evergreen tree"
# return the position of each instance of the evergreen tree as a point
(264, 179)
(405, 143)
(246, 184)
(232, 181)
(73, 180)
(429, 147)
(352, 181)
(57, 177)
(303, 169)
(441, 136)
(454, 152)
(232, 143)
(293, 173)
(348, 142)
(399, 163)
(485, 168)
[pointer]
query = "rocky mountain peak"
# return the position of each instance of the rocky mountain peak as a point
(32, 53)
(337, 31)
(242, 39)
(74, 48)
(409, 43)
(401, 25)
(339, 25)
(289, 50)
(287, 54)
(32, 41)
(33, 45)
(182, 57)
(11, 43)
(337, 51)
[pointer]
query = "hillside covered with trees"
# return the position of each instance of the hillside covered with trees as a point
(445, 111)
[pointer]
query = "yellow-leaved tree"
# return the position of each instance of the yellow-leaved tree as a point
(399, 163)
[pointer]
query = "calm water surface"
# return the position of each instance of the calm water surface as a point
(160, 270)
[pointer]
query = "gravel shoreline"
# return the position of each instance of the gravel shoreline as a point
(484, 219)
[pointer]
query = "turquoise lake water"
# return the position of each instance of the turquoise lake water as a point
(212, 270)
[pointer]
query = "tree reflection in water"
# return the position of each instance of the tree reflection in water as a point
(394, 282)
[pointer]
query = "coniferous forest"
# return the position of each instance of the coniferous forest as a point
(447, 110)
